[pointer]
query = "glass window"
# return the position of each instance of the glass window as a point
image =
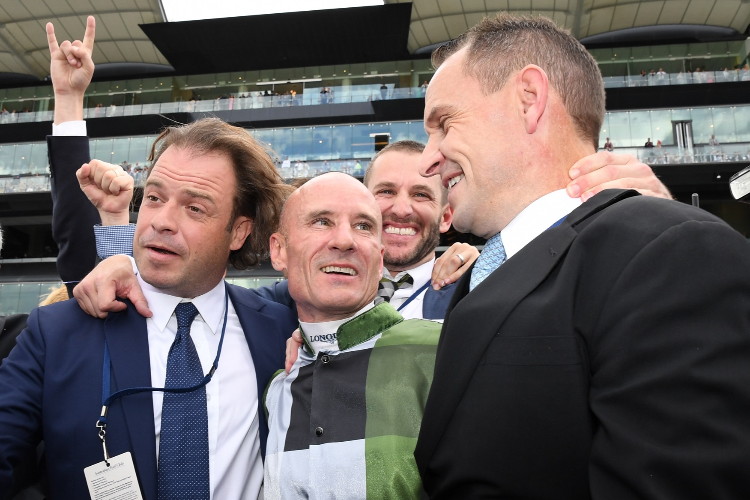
(38, 158)
(399, 131)
(742, 123)
(702, 125)
(121, 150)
(102, 150)
(302, 143)
(681, 114)
(7, 155)
(661, 126)
(619, 130)
(321, 143)
(341, 141)
(724, 124)
(22, 163)
(138, 150)
(417, 133)
(282, 142)
(604, 133)
(9, 298)
(265, 138)
(640, 128)
(28, 297)
(363, 146)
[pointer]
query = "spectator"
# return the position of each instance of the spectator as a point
(57, 295)
(662, 76)
(649, 144)
(658, 144)
(383, 92)
(324, 96)
(608, 145)
(713, 141)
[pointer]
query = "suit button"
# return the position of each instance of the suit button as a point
(325, 358)
(318, 431)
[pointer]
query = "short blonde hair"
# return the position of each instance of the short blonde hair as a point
(499, 46)
(59, 294)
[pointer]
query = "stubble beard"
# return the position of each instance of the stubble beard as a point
(427, 246)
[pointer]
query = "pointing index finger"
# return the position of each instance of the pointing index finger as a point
(51, 40)
(88, 37)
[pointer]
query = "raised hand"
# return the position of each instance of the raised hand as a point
(71, 70)
(605, 170)
(109, 188)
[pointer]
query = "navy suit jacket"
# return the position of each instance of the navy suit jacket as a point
(51, 388)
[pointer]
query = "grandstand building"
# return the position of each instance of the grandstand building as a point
(327, 89)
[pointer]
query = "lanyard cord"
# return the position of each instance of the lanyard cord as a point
(108, 399)
(414, 296)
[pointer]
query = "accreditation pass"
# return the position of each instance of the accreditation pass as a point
(117, 481)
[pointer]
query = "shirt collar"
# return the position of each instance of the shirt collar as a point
(535, 219)
(420, 274)
(364, 325)
(310, 330)
(210, 305)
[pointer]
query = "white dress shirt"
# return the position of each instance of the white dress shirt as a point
(535, 219)
(236, 468)
(322, 336)
(421, 275)
(71, 128)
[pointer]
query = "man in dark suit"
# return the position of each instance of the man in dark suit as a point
(53, 382)
(596, 350)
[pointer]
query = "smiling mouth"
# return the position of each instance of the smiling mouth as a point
(455, 180)
(406, 231)
(162, 251)
(347, 271)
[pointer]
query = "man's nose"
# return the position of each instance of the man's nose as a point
(165, 218)
(431, 159)
(402, 206)
(342, 238)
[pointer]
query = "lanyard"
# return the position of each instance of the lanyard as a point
(414, 295)
(108, 399)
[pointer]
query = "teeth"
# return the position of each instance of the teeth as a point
(409, 231)
(455, 180)
(336, 269)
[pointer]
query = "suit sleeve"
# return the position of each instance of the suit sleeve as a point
(73, 215)
(21, 386)
(670, 370)
(278, 292)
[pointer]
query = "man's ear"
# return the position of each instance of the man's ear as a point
(446, 218)
(278, 252)
(241, 229)
(532, 87)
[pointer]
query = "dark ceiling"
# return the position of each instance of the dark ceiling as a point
(299, 39)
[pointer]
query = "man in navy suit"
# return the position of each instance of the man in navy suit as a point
(51, 385)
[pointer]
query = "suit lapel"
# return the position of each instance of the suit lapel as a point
(471, 323)
(127, 338)
(266, 348)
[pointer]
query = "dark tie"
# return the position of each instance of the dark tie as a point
(388, 287)
(183, 444)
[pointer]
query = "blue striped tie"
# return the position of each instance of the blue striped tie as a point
(183, 444)
(490, 259)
